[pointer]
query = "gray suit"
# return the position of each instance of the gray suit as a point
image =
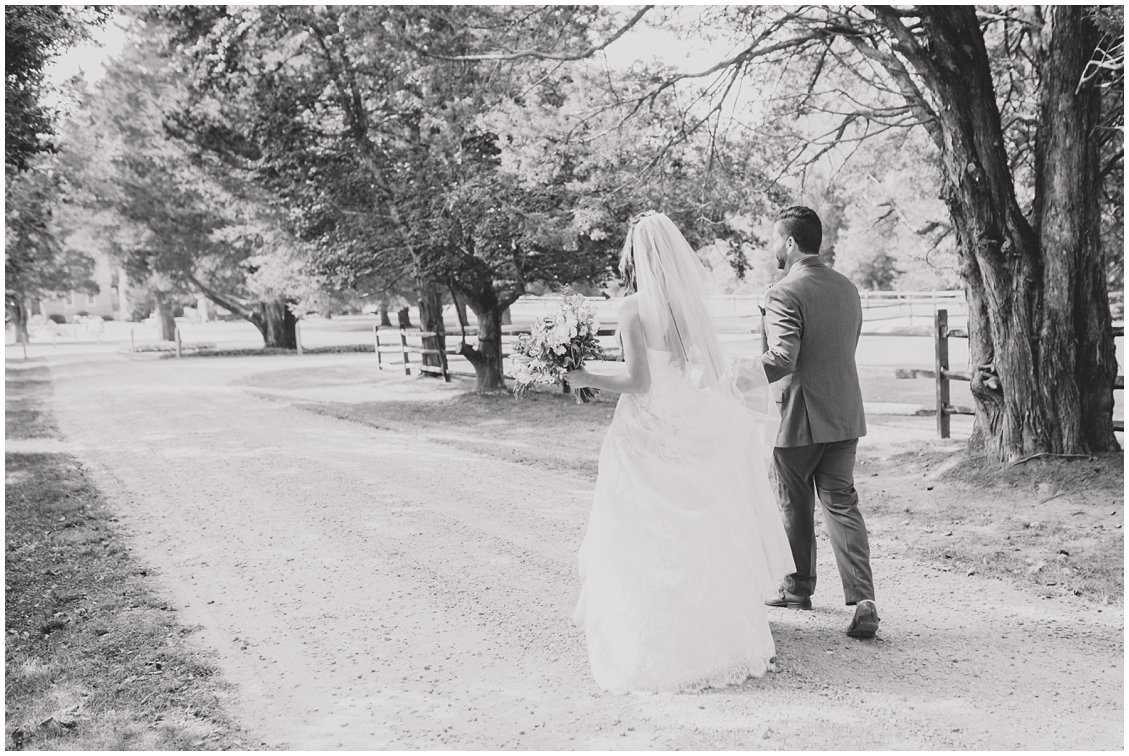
(812, 323)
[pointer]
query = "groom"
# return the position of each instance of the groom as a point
(812, 321)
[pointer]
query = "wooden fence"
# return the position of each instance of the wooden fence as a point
(405, 344)
(943, 374)
(404, 349)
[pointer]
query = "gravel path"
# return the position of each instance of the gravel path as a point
(370, 590)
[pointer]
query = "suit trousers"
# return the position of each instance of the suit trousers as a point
(828, 470)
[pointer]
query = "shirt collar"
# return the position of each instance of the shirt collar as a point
(810, 261)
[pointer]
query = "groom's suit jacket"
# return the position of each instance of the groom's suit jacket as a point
(812, 322)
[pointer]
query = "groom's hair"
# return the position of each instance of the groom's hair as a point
(802, 224)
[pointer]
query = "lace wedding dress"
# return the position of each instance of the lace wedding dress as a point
(684, 539)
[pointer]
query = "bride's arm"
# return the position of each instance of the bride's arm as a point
(637, 378)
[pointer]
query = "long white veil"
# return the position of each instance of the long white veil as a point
(670, 280)
(672, 306)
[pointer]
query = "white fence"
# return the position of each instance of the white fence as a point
(917, 307)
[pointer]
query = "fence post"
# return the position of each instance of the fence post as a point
(442, 342)
(404, 351)
(132, 345)
(376, 345)
(177, 334)
(941, 366)
(298, 337)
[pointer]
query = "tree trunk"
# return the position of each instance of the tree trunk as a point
(385, 321)
(273, 319)
(403, 318)
(19, 320)
(281, 325)
(487, 356)
(460, 310)
(165, 320)
(276, 323)
(1076, 338)
(1026, 391)
(506, 318)
(431, 320)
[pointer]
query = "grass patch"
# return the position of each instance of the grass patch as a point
(1053, 526)
(545, 429)
(95, 658)
(24, 416)
(168, 352)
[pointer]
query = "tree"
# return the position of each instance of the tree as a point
(180, 224)
(1035, 280)
(33, 35)
(547, 195)
(36, 263)
(1040, 332)
(877, 272)
(383, 153)
(286, 106)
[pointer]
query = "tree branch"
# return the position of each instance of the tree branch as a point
(228, 304)
(541, 54)
(898, 72)
(1112, 163)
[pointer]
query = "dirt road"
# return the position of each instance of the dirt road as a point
(367, 589)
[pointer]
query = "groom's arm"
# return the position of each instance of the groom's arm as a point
(783, 327)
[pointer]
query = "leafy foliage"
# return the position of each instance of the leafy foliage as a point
(36, 263)
(399, 160)
(33, 34)
(175, 222)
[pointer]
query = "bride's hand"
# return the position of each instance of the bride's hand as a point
(579, 378)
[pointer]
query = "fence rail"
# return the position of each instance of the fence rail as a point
(943, 375)
(406, 349)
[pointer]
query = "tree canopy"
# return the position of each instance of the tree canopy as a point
(37, 262)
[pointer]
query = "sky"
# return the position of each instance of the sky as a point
(646, 41)
(89, 57)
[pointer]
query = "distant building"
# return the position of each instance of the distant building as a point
(110, 303)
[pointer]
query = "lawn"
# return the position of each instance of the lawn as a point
(94, 656)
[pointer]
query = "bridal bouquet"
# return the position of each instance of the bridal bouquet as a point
(556, 345)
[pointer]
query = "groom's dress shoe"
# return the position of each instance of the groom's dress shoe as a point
(865, 623)
(789, 600)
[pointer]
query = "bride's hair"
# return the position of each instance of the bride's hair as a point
(627, 256)
(627, 265)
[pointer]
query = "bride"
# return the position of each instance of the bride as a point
(684, 539)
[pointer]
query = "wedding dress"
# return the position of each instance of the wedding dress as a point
(684, 539)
